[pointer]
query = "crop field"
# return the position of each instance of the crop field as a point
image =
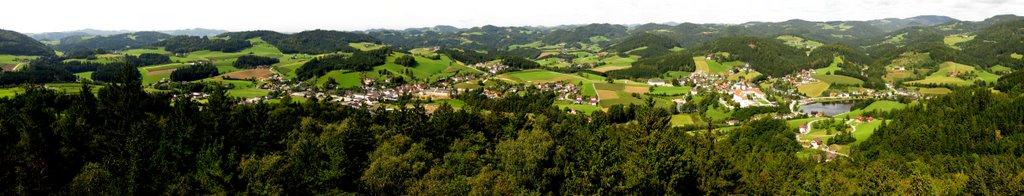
(814, 89)
(637, 89)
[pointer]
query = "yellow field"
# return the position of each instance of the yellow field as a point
(814, 89)
(701, 64)
(607, 94)
(637, 89)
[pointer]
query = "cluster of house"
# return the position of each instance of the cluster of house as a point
(275, 82)
(492, 68)
(802, 77)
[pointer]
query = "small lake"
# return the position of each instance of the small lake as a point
(830, 109)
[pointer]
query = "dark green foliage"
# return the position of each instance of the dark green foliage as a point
(961, 123)
(582, 34)
(194, 72)
(519, 63)
(656, 66)
(84, 54)
(653, 42)
(112, 42)
(359, 61)
(995, 45)
(765, 135)
(253, 61)
(186, 44)
(15, 43)
(466, 56)
(36, 74)
(318, 42)
(109, 73)
(1011, 82)
(768, 56)
(406, 60)
(747, 112)
(147, 59)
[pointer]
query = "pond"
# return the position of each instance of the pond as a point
(830, 109)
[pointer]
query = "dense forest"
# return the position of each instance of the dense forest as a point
(194, 72)
(186, 44)
(112, 42)
(358, 61)
(253, 61)
(655, 66)
(125, 141)
(20, 44)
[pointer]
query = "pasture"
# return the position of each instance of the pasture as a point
(813, 89)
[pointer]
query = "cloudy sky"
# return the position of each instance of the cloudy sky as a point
(33, 16)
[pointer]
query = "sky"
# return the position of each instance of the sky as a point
(35, 16)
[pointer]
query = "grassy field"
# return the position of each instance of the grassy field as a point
(814, 89)
(882, 106)
(831, 67)
(16, 60)
(941, 76)
(839, 79)
(685, 119)
(159, 50)
(538, 76)
(1016, 56)
(674, 90)
(952, 40)
(716, 67)
(702, 65)
(586, 109)
(1000, 68)
(798, 41)
(365, 46)
(345, 79)
(616, 63)
(865, 130)
(897, 75)
(248, 92)
(934, 91)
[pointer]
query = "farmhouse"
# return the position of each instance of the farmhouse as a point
(804, 129)
(816, 142)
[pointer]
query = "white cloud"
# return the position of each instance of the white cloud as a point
(297, 15)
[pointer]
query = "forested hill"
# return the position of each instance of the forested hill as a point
(308, 42)
(112, 42)
(769, 56)
(15, 43)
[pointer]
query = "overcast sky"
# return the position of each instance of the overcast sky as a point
(33, 16)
